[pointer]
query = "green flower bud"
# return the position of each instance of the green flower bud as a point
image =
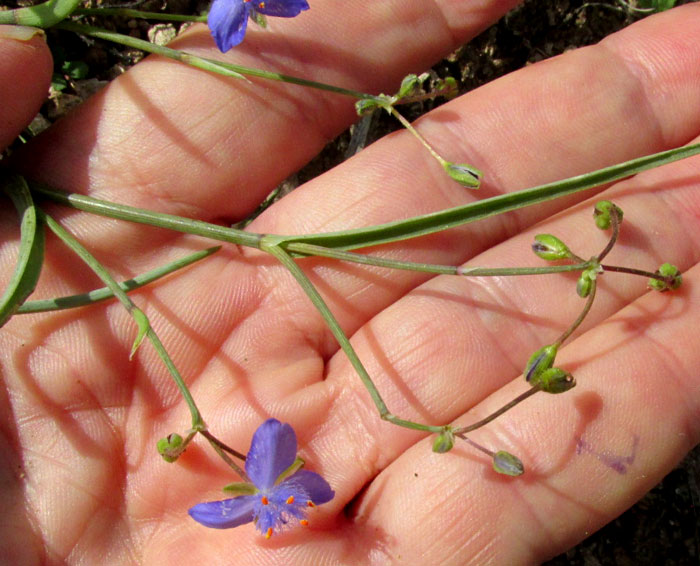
(444, 441)
(366, 106)
(447, 87)
(410, 85)
(673, 278)
(540, 361)
(465, 175)
(585, 281)
(550, 247)
(507, 464)
(554, 380)
(601, 213)
(170, 447)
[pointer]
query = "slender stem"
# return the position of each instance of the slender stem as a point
(103, 274)
(158, 219)
(633, 271)
(579, 320)
(105, 293)
(220, 67)
(127, 13)
(321, 251)
(221, 451)
(476, 445)
(615, 221)
(285, 259)
(507, 407)
(225, 447)
(406, 124)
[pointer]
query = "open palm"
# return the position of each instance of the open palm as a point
(82, 480)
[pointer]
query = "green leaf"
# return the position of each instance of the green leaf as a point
(438, 221)
(31, 248)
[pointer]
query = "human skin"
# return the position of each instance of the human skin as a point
(82, 481)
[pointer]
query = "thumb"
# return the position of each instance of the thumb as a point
(25, 74)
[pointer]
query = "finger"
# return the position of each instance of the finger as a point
(210, 147)
(25, 68)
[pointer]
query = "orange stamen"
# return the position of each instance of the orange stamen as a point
(304, 522)
(268, 534)
(264, 500)
(261, 5)
(290, 500)
(310, 504)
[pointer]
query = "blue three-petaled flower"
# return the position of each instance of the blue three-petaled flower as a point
(276, 498)
(228, 18)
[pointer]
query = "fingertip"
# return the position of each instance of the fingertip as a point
(25, 75)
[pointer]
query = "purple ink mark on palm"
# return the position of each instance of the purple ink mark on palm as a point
(614, 461)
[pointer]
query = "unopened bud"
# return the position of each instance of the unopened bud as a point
(673, 278)
(507, 464)
(465, 175)
(540, 361)
(602, 212)
(550, 247)
(170, 447)
(585, 281)
(554, 380)
(444, 442)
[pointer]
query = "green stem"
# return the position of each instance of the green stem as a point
(633, 271)
(320, 251)
(221, 449)
(615, 221)
(507, 407)
(587, 307)
(105, 293)
(158, 219)
(41, 16)
(406, 124)
(285, 259)
(220, 67)
(103, 274)
(127, 13)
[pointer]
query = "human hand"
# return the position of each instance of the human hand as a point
(82, 421)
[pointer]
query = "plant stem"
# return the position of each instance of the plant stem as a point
(105, 293)
(285, 259)
(127, 13)
(220, 67)
(103, 274)
(507, 407)
(587, 307)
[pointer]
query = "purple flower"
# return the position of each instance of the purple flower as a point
(280, 493)
(228, 18)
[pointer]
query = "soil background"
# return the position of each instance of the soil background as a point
(663, 528)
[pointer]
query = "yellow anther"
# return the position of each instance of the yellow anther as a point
(290, 500)
(304, 522)
(264, 500)
(268, 534)
(261, 5)
(310, 503)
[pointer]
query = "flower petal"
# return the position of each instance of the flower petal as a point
(280, 8)
(313, 484)
(227, 21)
(225, 514)
(272, 451)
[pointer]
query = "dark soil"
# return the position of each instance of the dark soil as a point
(663, 528)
